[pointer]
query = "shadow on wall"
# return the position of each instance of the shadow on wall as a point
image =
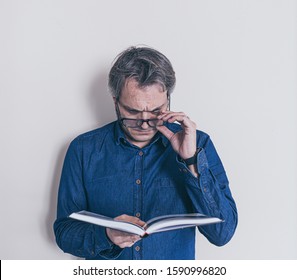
(101, 102)
(102, 108)
(54, 192)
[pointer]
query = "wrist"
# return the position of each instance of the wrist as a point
(192, 160)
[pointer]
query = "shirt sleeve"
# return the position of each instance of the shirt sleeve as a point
(75, 237)
(210, 193)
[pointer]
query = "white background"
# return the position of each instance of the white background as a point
(236, 70)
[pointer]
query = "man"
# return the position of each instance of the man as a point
(150, 162)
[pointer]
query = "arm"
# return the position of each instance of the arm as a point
(206, 181)
(75, 237)
(211, 195)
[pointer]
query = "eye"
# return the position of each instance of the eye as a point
(156, 112)
(133, 112)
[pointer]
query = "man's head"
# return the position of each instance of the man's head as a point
(141, 81)
(145, 65)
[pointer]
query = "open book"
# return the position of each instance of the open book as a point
(158, 224)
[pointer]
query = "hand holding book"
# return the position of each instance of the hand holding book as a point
(125, 230)
(121, 238)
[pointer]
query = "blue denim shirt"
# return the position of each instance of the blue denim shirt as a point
(105, 174)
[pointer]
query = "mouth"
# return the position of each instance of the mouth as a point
(143, 131)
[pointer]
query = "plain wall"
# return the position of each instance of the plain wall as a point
(236, 70)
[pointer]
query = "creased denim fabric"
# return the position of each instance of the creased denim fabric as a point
(105, 174)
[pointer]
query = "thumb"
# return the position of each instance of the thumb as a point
(165, 131)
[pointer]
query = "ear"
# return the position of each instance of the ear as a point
(116, 107)
(114, 101)
(168, 105)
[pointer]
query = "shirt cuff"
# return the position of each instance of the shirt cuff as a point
(202, 163)
(203, 170)
(106, 248)
(202, 183)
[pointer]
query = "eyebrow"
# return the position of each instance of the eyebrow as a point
(133, 109)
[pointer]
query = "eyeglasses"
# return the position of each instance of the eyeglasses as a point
(136, 123)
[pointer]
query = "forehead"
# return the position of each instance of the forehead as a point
(143, 98)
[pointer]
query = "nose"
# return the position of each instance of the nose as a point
(145, 125)
(145, 115)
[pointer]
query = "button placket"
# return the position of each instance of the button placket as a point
(138, 196)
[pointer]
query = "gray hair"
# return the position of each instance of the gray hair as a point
(146, 65)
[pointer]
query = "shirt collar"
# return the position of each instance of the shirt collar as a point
(120, 136)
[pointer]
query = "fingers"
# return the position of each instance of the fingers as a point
(165, 131)
(181, 117)
(123, 239)
(130, 219)
(187, 124)
(183, 142)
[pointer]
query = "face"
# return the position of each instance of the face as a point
(141, 103)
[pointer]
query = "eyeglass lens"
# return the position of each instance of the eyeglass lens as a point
(139, 122)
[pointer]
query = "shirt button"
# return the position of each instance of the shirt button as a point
(141, 153)
(137, 248)
(138, 182)
(137, 214)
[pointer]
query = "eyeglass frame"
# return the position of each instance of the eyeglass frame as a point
(121, 120)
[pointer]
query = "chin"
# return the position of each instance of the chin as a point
(143, 135)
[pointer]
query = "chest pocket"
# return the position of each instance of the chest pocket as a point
(165, 197)
(111, 196)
